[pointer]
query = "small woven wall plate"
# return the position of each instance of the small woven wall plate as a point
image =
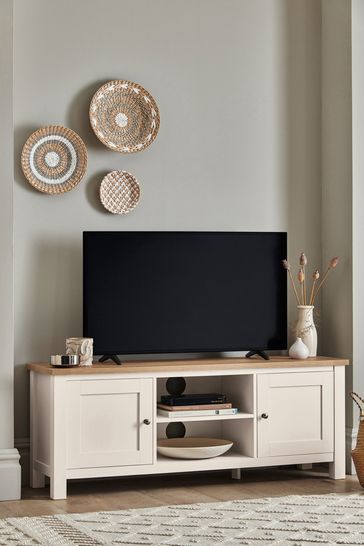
(119, 192)
(124, 116)
(54, 159)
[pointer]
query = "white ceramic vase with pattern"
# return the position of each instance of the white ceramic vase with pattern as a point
(306, 329)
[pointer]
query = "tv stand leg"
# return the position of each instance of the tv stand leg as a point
(236, 474)
(263, 354)
(58, 486)
(114, 358)
(37, 479)
(306, 466)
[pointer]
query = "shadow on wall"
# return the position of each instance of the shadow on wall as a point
(21, 135)
(77, 115)
(51, 298)
(93, 191)
(56, 278)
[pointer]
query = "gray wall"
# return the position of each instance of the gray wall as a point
(357, 45)
(337, 300)
(6, 227)
(238, 86)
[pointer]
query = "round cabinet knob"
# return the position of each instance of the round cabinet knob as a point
(146, 422)
(264, 416)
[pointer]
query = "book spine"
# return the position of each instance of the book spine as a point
(197, 413)
(192, 401)
(228, 405)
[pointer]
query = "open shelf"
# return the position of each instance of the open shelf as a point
(238, 428)
(239, 415)
(238, 431)
(238, 389)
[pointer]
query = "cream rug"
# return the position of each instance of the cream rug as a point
(282, 521)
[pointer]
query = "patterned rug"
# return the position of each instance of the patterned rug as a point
(282, 521)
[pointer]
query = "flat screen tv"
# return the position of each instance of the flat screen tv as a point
(184, 292)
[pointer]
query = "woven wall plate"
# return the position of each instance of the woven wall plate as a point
(119, 192)
(54, 159)
(124, 116)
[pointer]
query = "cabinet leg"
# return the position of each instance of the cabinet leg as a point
(36, 479)
(58, 487)
(306, 466)
(236, 474)
(337, 470)
(337, 467)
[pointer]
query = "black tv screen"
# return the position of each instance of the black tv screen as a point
(184, 292)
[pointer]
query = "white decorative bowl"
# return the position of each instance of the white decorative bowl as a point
(193, 448)
(65, 361)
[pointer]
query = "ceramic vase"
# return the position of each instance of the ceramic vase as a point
(306, 329)
(298, 350)
(82, 346)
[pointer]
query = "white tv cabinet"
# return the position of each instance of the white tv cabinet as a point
(102, 421)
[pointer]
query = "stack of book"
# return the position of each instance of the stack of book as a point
(193, 405)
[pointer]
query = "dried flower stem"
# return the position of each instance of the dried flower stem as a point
(321, 283)
(288, 268)
(304, 291)
(301, 280)
(293, 286)
(303, 263)
(333, 263)
(315, 276)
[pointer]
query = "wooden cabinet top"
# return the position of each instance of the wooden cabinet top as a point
(192, 365)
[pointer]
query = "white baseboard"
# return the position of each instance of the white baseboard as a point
(10, 475)
(23, 446)
(351, 436)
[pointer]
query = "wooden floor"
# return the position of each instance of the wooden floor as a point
(121, 493)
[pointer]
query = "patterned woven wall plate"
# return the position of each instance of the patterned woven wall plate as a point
(119, 192)
(124, 116)
(54, 159)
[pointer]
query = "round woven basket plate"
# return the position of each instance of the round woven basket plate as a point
(119, 192)
(193, 448)
(124, 116)
(54, 159)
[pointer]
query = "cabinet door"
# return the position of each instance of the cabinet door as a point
(295, 413)
(106, 422)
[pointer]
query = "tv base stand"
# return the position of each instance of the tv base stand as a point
(101, 421)
(263, 354)
(114, 358)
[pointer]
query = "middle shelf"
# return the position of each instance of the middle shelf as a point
(239, 415)
(235, 392)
